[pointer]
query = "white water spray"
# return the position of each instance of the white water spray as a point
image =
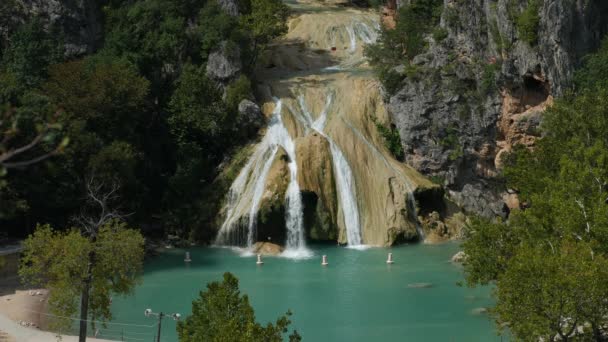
(248, 189)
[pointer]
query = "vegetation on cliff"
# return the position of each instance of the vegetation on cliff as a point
(142, 111)
(399, 45)
(549, 259)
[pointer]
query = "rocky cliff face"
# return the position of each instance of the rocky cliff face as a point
(78, 21)
(482, 89)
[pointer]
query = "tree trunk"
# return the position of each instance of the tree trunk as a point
(84, 299)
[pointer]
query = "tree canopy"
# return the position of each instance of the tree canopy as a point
(57, 260)
(140, 111)
(221, 313)
(548, 260)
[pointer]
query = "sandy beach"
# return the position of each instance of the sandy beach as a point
(23, 318)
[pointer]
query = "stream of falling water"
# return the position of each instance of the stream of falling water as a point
(261, 162)
(411, 201)
(345, 182)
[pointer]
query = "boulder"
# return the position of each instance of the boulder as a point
(479, 311)
(420, 285)
(267, 248)
(224, 63)
(459, 257)
(250, 117)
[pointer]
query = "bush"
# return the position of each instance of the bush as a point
(488, 79)
(391, 80)
(406, 40)
(527, 23)
(439, 34)
(238, 91)
(221, 313)
(392, 139)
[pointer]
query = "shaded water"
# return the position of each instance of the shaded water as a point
(358, 297)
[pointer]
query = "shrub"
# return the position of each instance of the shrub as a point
(527, 23)
(392, 140)
(238, 91)
(439, 34)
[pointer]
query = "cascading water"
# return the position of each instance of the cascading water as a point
(342, 172)
(342, 33)
(411, 201)
(248, 189)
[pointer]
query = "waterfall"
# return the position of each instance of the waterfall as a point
(346, 192)
(411, 201)
(342, 172)
(248, 188)
(258, 192)
(365, 33)
(353, 38)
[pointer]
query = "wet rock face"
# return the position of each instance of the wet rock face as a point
(79, 21)
(482, 90)
(224, 64)
(271, 215)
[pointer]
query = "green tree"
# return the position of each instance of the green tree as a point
(549, 260)
(550, 290)
(83, 267)
(203, 130)
(105, 103)
(30, 52)
(267, 21)
(414, 21)
(29, 135)
(218, 26)
(221, 313)
(528, 21)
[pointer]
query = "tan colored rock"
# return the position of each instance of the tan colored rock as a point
(316, 180)
(267, 248)
(511, 200)
(271, 214)
(520, 117)
(438, 229)
(459, 257)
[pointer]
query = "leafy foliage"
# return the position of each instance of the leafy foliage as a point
(238, 91)
(528, 21)
(548, 292)
(140, 111)
(392, 140)
(57, 261)
(31, 51)
(401, 44)
(221, 313)
(549, 259)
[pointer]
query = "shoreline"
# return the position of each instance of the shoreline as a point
(23, 318)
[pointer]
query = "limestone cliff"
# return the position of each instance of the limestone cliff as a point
(481, 89)
(79, 22)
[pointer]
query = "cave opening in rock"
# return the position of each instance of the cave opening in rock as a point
(535, 90)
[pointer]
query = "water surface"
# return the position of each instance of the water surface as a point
(358, 297)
